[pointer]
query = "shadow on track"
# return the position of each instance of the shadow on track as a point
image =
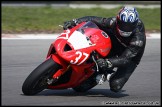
(90, 93)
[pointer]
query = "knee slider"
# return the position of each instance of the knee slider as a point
(116, 85)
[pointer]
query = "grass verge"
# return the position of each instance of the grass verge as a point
(47, 19)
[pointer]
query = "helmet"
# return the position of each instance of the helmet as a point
(127, 20)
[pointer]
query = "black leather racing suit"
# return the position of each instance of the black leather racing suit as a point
(126, 52)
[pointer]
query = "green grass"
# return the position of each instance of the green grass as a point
(47, 19)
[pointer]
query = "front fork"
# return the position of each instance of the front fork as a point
(61, 71)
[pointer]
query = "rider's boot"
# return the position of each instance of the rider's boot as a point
(100, 79)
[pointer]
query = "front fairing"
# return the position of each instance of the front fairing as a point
(81, 41)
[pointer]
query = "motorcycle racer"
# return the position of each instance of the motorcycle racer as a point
(127, 33)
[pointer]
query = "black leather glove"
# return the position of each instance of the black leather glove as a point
(104, 64)
(69, 25)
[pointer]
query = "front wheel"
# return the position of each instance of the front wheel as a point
(37, 80)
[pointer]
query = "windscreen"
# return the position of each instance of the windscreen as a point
(89, 24)
(78, 39)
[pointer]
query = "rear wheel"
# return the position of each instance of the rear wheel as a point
(37, 80)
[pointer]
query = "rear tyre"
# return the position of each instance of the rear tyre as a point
(37, 80)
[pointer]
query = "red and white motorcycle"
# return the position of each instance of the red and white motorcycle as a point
(71, 61)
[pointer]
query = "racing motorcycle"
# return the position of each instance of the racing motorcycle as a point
(71, 61)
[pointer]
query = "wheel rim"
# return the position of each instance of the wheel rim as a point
(42, 84)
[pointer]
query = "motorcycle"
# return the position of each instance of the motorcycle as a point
(71, 61)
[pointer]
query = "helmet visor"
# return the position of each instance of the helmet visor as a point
(126, 26)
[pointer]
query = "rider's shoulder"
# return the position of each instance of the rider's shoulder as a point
(140, 27)
(140, 22)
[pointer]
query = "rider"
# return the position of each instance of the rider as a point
(128, 38)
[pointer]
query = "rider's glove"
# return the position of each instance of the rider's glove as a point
(104, 64)
(69, 24)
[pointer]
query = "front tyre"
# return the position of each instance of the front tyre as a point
(37, 80)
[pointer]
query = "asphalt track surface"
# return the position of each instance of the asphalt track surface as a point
(20, 57)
